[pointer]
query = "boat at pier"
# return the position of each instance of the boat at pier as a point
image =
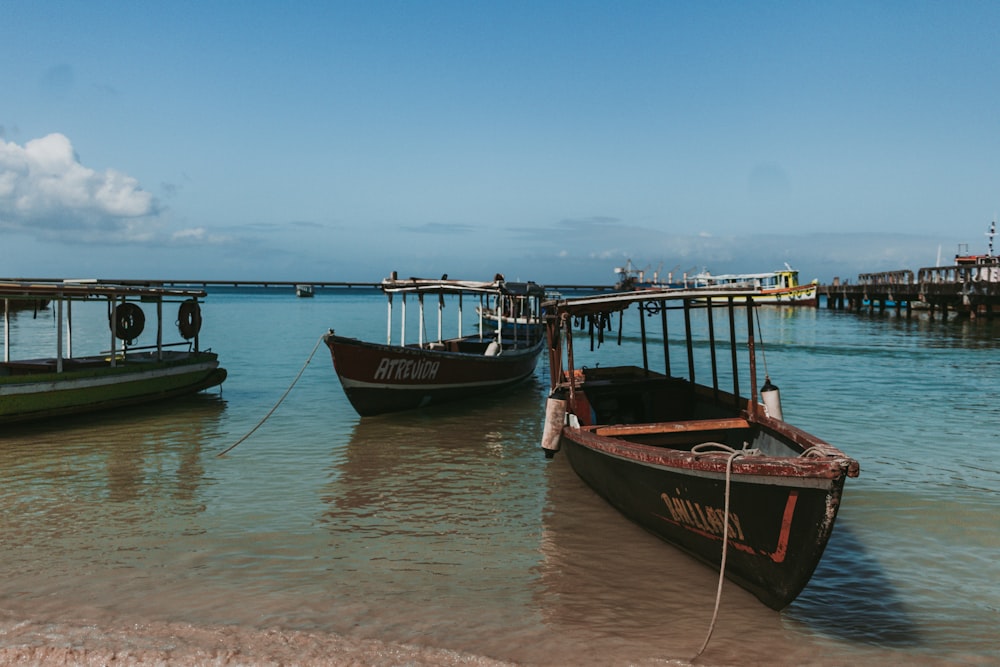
(990, 263)
(781, 287)
(706, 465)
(388, 377)
(64, 382)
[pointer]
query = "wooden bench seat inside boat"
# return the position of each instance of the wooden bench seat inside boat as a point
(28, 367)
(687, 426)
(679, 434)
(37, 366)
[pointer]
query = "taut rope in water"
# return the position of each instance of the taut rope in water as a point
(732, 455)
(271, 412)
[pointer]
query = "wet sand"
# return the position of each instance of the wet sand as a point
(34, 643)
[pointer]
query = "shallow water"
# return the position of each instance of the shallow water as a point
(445, 537)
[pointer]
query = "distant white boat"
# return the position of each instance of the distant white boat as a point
(776, 287)
(304, 290)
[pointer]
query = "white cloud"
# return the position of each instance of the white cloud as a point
(198, 236)
(46, 192)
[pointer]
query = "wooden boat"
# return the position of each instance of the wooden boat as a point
(510, 322)
(67, 383)
(780, 287)
(518, 313)
(388, 377)
(707, 469)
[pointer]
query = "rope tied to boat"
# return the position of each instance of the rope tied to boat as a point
(271, 411)
(731, 455)
(718, 447)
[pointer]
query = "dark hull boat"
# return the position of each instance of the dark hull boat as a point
(719, 476)
(385, 377)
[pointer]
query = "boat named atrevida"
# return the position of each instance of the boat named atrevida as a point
(66, 382)
(387, 377)
(704, 465)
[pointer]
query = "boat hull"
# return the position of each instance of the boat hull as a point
(779, 524)
(803, 295)
(92, 385)
(381, 378)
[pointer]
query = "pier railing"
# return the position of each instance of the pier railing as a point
(904, 277)
(962, 274)
(968, 289)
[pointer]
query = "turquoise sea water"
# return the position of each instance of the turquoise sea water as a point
(445, 537)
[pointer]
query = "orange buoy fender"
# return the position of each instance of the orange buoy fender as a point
(189, 319)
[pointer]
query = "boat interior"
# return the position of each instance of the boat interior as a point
(50, 364)
(649, 408)
(474, 345)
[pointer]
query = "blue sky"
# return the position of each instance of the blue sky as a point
(549, 141)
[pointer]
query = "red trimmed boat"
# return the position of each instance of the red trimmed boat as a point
(701, 465)
(137, 371)
(388, 377)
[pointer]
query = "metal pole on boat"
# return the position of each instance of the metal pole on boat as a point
(440, 316)
(460, 314)
(711, 346)
(642, 332)
(688, 339)
(500, 301)
(666, 346)
(69, 328)
(554, 337)
(59, 335)
(6, 330)
(420, 320)
(732, 347)
(567, 332)
(402, 323)
(388, 320)
(753, 358)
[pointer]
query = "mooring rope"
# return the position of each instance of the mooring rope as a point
(271, 411)
(733, 454)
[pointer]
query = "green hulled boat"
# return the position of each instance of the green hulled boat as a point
(128, 372)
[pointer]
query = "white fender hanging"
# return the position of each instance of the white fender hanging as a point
(771, 398)
(555, 418)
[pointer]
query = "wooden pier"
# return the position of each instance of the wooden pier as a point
(967, 290)
(288, 285)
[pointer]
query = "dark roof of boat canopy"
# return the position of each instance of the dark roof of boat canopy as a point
(91, 289)
(615, 301)
(444, 285)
